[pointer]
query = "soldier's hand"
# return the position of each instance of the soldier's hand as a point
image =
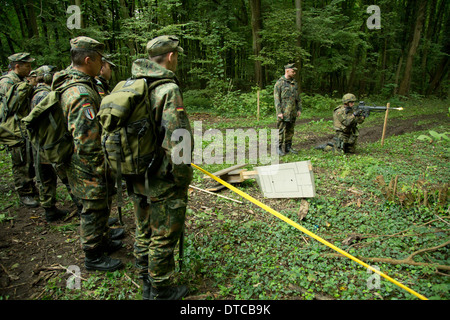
(357, 113)
(280, 116)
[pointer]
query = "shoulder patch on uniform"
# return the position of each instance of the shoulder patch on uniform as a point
(89, 111)
(83, 91)
(179, 109)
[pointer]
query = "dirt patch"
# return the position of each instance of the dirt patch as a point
(32, 251)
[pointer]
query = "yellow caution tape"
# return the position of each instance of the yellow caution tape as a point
(309, 233)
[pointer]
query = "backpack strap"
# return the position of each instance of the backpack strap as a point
(158, 152)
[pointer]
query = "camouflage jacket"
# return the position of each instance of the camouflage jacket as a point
(40, 92)
(344, 120)
(102, 86)
(7, 81)
(87, 172)
(287, 99)
(170, 114)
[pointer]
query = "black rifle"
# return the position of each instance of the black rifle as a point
(364, 110)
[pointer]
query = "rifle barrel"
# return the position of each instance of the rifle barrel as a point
(379, 108)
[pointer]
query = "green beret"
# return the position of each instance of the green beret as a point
(87, 43)
(21, 57)
(290, 66)
(163, 44)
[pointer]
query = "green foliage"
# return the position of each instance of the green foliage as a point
(434, 137)
(335, 50)
(317, 102)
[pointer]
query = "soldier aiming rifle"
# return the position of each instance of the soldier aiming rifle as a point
(346, 118)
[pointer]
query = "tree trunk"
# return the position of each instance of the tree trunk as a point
(32, 19)
(406, 81)
(255, 8)
(298, 23)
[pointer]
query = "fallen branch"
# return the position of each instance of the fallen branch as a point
(218, 195)
(132, 281)
(409, 260)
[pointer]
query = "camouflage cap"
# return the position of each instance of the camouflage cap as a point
(107, 59)
(163, 44)
(33, 73)
(21, 57)
(45, 69)
(290, 66)
(87, 43)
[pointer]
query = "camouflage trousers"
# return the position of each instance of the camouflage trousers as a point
(159, 224)
(285, 131)
(23, 170)
(346, 142)
(94, 224)
(46, 181)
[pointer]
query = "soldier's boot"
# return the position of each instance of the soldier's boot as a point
(96, 260)
(146, 287)
(141, 264)
(53, 214)
(28, 201)
(116, 233)
(168, 293)
(289, 148)
(112, 246)
(280, 150)
(112, 221)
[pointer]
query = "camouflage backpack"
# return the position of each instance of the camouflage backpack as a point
(14, 106)
(129, 137)
(47, 128)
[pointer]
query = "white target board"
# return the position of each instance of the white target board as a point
(287, 180)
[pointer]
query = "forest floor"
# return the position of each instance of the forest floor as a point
(33, 252)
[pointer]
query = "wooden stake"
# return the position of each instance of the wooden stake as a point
(385, 123)
(257, 99)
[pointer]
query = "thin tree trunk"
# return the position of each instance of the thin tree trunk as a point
(255, 7)
(298, 22)
(406, 81)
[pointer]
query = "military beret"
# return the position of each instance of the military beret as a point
(163, 44)
(87, 43)
(290, 66)
(21, 57)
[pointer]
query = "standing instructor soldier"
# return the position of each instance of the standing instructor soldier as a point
(288, 107)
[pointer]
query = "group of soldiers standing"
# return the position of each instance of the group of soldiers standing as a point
(288, 107)
(159, 206)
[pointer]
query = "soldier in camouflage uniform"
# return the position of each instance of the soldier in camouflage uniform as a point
(89, 179)
(32, 78)
(160, 210)
(21, 156)
(345, 121)
(288, 107)
(103, 78)
(46, 176)
(45, 172)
